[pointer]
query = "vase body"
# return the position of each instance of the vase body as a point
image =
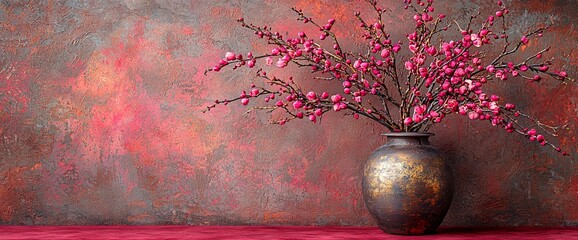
(407, 185)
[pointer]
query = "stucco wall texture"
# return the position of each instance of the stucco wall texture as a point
(101, 123)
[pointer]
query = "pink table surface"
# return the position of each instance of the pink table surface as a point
(269, 232)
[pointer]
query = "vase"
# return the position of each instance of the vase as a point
(407, 185)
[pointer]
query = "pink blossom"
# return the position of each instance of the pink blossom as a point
(251, 63)
(444, 76)
(396, 48)
(409, 65)
(494, 106)
(268, 61)
(318, 112)
(275, 51)
(484, 32)
(540, 138)
(462, 110)
(543, 68)
(422, 72)
(412, 48)
(230, 56)
(385, 53)
(336, 107)
(476, 40)
(524, 39)
(462, 89)
(523, 68)
(281, 63)
(417, 118)
(431, 50)
(346, 84)
(420, 109)
(297, 104)
(336, 98)
(312, 118)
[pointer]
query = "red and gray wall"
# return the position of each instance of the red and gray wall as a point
(101, 123)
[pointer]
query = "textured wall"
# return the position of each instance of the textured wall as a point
(100, 123)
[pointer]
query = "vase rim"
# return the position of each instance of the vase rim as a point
(408, 134)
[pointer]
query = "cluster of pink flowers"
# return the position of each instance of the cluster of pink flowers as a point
(404, 85)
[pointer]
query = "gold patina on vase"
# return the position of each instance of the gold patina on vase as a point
(407, 185)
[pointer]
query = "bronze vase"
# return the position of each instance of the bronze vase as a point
(407, 185)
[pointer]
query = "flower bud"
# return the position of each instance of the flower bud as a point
(540, 138)
(297, 104)
(346, 84)
(312, 118)
(311, 96)
(407, 121)
(254, 92)
(396, 48)
(318, 112)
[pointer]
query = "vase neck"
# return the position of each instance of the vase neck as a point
(408, 139)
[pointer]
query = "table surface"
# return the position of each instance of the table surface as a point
(269, 232)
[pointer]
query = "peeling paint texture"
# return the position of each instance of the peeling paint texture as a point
(101, 123)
